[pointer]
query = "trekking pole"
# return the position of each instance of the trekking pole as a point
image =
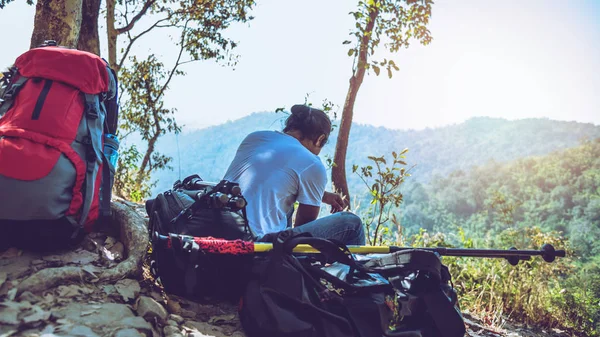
(239, 247)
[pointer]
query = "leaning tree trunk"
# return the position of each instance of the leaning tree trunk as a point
(338, 171)
(57, 20)
(112, 34)
(88, 36)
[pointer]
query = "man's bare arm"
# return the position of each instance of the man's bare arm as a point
(305, 214)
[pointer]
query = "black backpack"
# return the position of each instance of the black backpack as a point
(291, 295)
(333, 294)
(194, 208)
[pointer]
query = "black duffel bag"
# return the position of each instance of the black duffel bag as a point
(198, 209)
(290, 295)
(332, 294)
(425, 302)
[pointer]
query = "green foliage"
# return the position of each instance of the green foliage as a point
(561, 294)
(395, 24)
(525, 203)
(127, 174)
(201, 25)
(384, 189)
(144, 113)
(144, 83)
(560, 192)
(3, 3)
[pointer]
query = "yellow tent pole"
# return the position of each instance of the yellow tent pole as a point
(260, 247)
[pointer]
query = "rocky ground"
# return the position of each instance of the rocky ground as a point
(34, 303)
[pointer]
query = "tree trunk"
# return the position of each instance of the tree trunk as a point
(143, 171)
(88, 35)
(112, 34)
(57, 20)
(338, 171)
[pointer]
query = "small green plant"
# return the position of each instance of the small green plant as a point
(128, 174)
(384, 187)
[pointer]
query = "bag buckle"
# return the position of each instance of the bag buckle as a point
(283, 236)
(91, 111)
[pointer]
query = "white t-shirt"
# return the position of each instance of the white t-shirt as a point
(274, 170)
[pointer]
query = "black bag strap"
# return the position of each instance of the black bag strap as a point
(333, 251)
(110, 101)
(280, 251)
(414, 259)
(187, 255)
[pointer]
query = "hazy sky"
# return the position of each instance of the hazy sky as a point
(510, 59)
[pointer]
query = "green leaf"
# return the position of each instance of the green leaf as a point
(350, 52)
(376, 70)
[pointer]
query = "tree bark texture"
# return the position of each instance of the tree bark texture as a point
(338, 171)
(57, 20)
(88, 35)
(112, 34)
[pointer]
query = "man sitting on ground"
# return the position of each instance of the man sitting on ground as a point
(275, 169)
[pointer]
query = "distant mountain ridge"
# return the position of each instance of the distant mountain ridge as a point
(434, 151)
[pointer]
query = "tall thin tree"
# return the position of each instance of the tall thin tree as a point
(393, 22)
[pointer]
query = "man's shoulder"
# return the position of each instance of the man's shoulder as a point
(314, 165)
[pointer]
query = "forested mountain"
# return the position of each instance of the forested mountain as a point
(438, 151)
(559, 191)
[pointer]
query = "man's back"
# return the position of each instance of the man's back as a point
(274, 170)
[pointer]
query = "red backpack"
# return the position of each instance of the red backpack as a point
(58, 117)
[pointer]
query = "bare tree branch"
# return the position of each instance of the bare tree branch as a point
(188, 61)
(135, 19)
(177, 63)
(132, 40)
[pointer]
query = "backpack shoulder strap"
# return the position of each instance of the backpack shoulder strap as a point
(95, 125)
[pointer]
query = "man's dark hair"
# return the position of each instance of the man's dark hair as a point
(311, 122)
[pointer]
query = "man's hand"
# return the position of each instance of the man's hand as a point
(334, 200)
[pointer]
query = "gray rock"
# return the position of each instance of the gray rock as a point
(138, 323)
(150, 309)
(176, 318)
(109, 289)
(36, 315)
(128, 333)
(3, 277)
(29, 297)
(118, 251)
(188, 313)
(108, 315)
(8, 315)
(79, 256)
(171, 330)
(81, 331)
(128, 289)
(198, 334)
(172, 323)
(73, 290)
(204, 328)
